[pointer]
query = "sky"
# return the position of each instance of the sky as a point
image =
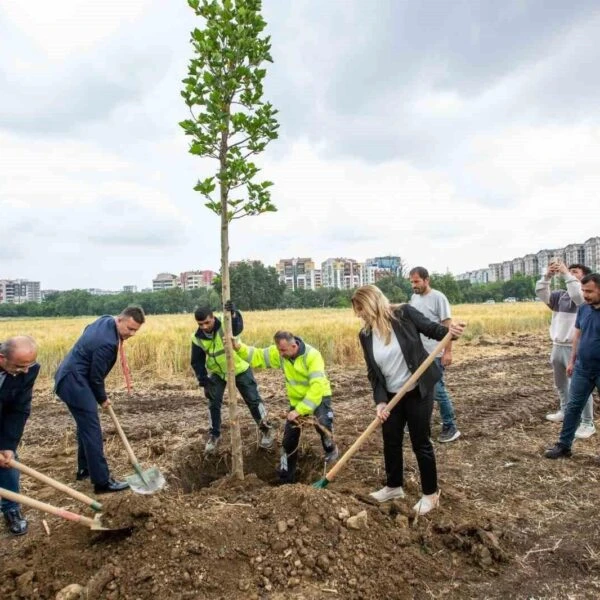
(452, 134)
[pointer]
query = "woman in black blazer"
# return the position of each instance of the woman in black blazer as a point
(393, 350)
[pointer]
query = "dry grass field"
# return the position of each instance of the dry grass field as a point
(161, 350)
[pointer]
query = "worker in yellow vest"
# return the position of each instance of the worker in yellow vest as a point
(308, 390)
(210, 365)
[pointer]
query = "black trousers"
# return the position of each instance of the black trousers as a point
(246, 385)
(291, 438)
(415, 411)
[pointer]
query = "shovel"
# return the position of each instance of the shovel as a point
(330, 476)
(57, 485)
(91, 523)
(143, 481)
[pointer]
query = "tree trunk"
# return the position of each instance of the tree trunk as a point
(237, 458)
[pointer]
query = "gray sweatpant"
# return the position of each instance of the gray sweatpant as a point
(559, 359)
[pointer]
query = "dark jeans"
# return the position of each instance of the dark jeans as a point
(9, 480)
(84, 408)
(246, 385)
(414, 411)
(291, 437)
(582, 385)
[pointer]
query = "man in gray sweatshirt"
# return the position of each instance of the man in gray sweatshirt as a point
(563, 304)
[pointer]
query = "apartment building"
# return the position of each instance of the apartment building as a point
(18, 291)
(165, 281)
(591, 254)
(341, 273)
(298, 273)
(193, 280)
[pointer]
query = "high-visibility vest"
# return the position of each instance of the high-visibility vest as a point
(216, 361)
(306, 382)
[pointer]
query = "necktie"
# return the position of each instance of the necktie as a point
(125, 366)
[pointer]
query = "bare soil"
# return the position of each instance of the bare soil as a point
(511, 524)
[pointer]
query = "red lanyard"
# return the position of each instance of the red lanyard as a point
(125, 367)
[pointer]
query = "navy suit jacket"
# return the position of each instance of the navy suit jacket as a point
(92, 357)
(15, 406)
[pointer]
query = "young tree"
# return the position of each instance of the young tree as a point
(230, 123)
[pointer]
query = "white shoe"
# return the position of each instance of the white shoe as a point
(556, 417)
(387, 493)
(427, 503)
(585, 430)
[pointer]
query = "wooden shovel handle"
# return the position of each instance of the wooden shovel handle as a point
(128, 448)
(47, 508)
(55, 484)
(399, 395)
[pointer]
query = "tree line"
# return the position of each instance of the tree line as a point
(256, 287)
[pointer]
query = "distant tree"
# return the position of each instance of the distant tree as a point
(447, 285)
(397, 289)
(230, 123)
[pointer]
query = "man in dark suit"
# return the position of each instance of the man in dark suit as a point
(18, 372)
(79, 383)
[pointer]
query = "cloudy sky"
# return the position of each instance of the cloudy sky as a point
(454, 134)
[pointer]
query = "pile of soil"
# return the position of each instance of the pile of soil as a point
(504, 527)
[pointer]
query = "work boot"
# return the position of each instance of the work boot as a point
(211, 444)
(16, 523)
(332, 455)
(82, 474)
(112, 485)
(558, 451)
(267, 436)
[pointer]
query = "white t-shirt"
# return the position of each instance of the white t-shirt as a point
(391, 362)
(436, 308)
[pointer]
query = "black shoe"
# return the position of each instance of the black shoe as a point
(558, 451)
(82, 474)
(15, 521)
(110, 486)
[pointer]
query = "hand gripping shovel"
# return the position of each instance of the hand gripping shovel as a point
(94, 524)
(330, 476)
(142, 482)
(57, 485)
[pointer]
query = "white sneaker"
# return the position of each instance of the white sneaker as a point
(585, 430)
(387, 493)
(427, 503)
(556, 417)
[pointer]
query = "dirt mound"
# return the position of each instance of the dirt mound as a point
(228, 538)
(502, 529)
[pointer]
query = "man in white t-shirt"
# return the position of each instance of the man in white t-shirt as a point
(435, 306)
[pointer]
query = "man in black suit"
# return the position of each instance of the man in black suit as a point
(79, 383)
(18, 372)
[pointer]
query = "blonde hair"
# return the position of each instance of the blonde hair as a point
(371, 305)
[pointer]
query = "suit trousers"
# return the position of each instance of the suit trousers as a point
(82, 405)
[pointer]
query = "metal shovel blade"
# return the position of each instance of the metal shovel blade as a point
(98, 526)
(146, 482)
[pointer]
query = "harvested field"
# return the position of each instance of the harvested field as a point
(511, 524)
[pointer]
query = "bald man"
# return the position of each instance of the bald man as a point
(18, 372)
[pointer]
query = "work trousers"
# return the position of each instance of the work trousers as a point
(291, 438)
(246, 385)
